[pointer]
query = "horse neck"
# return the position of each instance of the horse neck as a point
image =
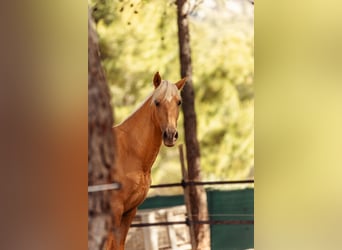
(145, 134)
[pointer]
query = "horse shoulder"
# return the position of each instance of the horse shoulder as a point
(137, 184)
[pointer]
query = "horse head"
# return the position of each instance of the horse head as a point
(166, 101)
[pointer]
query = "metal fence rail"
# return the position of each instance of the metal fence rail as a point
(115, 185)
(196, 183)
(104, 187)
(188, 222)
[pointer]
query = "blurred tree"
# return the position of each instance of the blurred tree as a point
(100, 146)
(198, 196)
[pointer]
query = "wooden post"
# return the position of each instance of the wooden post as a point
(187, 198)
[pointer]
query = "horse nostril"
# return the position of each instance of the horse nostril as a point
(176, 135)
(164, 135)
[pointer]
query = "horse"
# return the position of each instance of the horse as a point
(138, 141)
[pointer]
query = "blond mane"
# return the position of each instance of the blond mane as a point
(165, 91)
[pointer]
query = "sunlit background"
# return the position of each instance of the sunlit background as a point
(138, 38)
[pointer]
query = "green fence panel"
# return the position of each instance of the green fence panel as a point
(232, 205)
(236, 205)
(162, 201)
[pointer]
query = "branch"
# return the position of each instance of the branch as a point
(193, 8)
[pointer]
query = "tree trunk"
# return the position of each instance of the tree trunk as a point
(198, 197)
(100, 146)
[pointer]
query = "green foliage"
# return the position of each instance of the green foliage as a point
(224, 87)
(138, 38)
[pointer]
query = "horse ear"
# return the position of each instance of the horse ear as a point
(180, 84)
(156, 80)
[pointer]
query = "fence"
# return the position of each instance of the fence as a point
(165, 241)
(171, 236)
(235, 206)
(149, 221)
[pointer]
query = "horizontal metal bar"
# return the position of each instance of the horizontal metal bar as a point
(178, 184)
(164, 223)
(196, 183)
(104, 187)
(115, 186)
(210, 222)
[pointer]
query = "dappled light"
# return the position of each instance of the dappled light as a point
(138, 38)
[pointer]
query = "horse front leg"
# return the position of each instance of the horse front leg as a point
(126, 221)
(113, 241)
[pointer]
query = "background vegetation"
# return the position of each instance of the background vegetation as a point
(138, 38)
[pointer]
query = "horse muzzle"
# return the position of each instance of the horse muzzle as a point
(170, 137)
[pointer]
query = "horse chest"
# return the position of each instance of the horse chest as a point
(138, 190)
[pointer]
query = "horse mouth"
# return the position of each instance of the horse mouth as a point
(168, 143)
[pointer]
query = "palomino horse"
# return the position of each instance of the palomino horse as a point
(138, 140)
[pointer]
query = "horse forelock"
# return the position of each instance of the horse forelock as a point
(165, 91)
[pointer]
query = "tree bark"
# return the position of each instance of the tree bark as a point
(100, 146)
(198, 197)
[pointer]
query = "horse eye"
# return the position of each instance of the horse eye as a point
(157, 103)
(179, 103)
